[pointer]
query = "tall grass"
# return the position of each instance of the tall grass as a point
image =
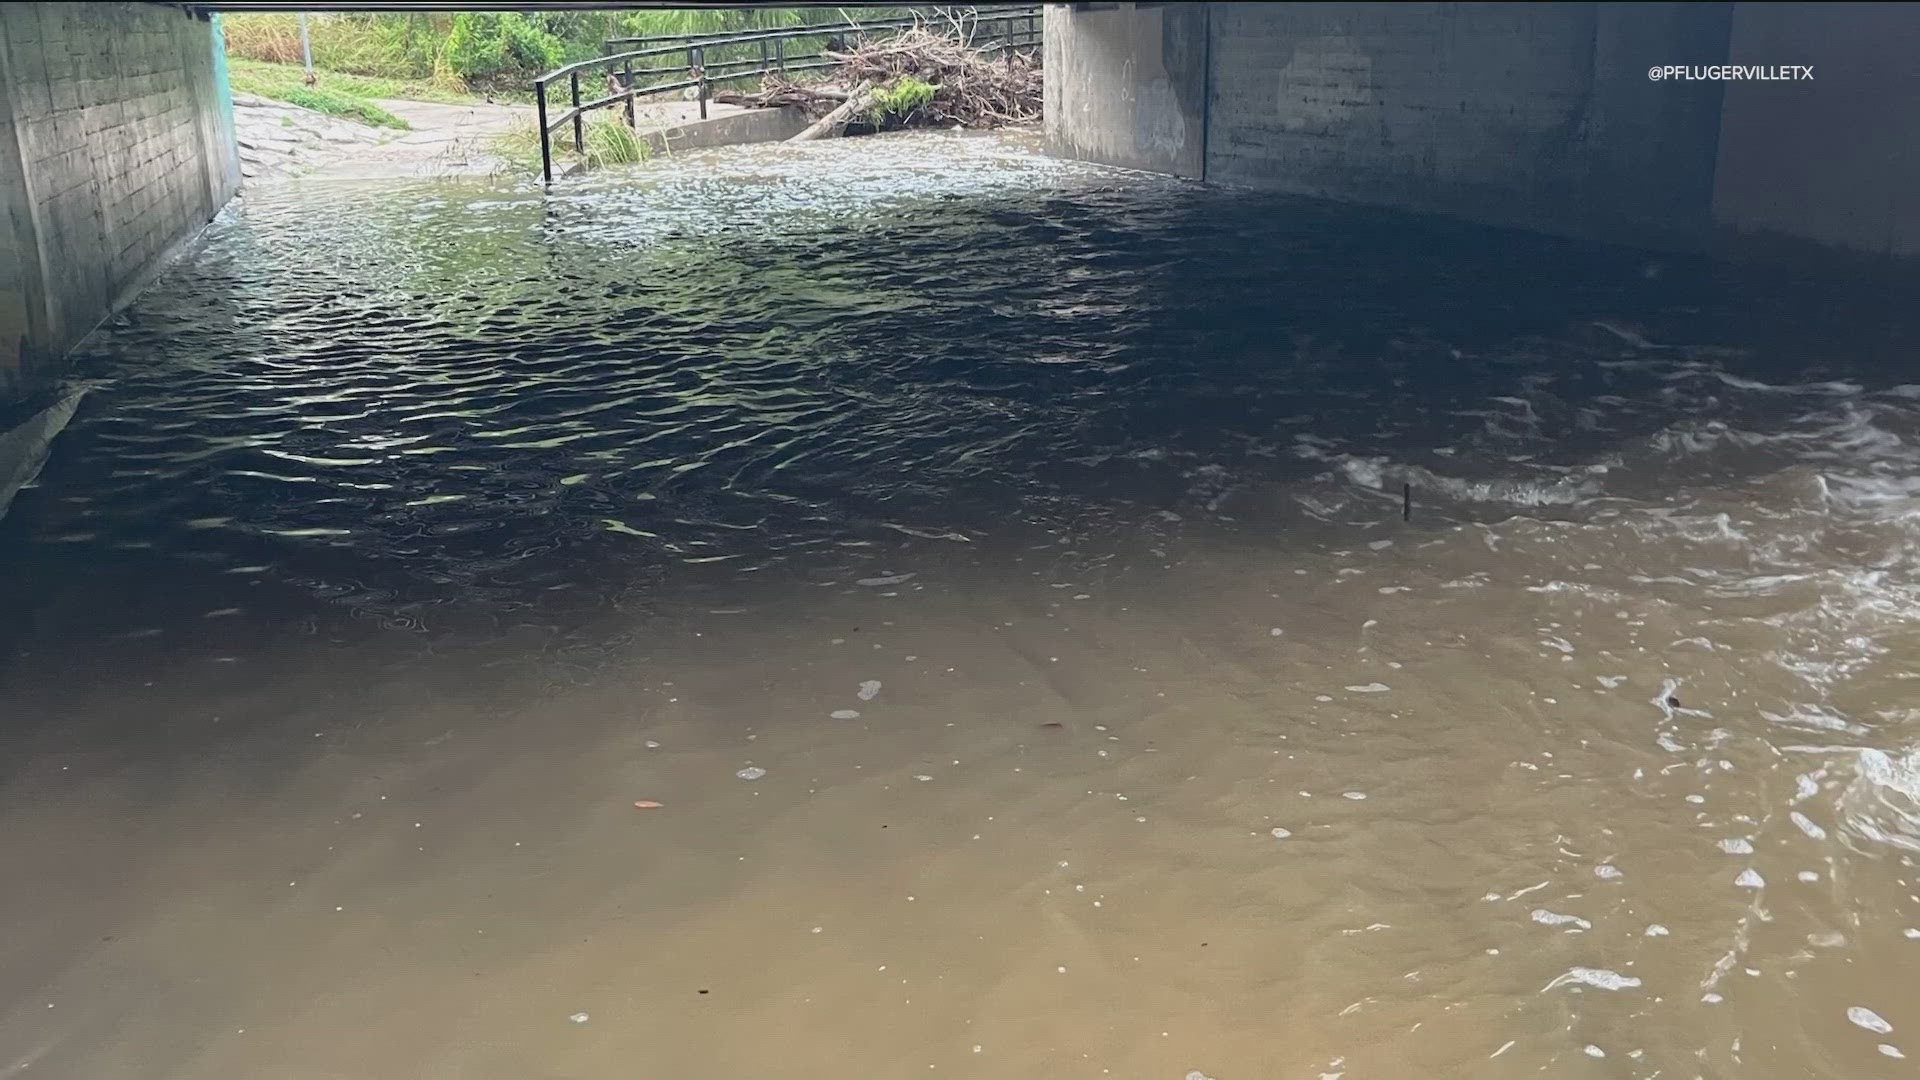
(608, 141)
(281, 82)
(252, 76)
(414, 46)
(390, 45)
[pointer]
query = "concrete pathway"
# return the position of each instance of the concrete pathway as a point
(278, 140)
(445, 140)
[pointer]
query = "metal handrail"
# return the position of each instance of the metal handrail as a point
(966, 13)
(694, 47)
(801, 30)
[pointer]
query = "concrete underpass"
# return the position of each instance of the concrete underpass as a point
(118, 139)
(1377, 541)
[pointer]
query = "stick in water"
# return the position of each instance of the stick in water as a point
(1406, 502)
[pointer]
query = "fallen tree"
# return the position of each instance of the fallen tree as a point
(858, 99)
(917, 78)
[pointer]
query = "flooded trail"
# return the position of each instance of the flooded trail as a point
(1000, 573)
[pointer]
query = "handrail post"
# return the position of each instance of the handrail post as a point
(700, 74)
(763, 58)
(780, 54)
(628, 86)
(546, 154)
(579, 125)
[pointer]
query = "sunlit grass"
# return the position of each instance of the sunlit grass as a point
(322, 98)
(254, 76)
(608, 141)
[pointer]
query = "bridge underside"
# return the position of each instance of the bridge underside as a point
(520, 5)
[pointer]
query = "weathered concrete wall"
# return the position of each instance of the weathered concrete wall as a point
(732, 129)
(1127, 86)
(1833, 162)
(1537, 115)
(114, 146)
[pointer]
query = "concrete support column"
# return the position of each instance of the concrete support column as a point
(1127, 85)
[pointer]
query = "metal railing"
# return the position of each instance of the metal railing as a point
(993, 29)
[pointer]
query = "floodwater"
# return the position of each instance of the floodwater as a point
(1002, 574)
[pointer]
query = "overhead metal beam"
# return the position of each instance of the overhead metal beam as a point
(548, 5)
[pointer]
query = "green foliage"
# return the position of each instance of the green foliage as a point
(334, 103)
(493, 49)
(609, 141)
(280, 82)
(899, 98)
(393, 46)
(266, 80)
(501, 51)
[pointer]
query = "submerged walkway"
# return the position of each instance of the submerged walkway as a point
(280, 141)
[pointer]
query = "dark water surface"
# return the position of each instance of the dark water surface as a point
(1048, 518)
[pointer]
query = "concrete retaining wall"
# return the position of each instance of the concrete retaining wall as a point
(114, 146)
(1538, 115)
(1833, 162)
(732, 129)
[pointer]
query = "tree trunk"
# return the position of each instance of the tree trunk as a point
(832, 123)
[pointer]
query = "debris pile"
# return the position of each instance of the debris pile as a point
(917, 78)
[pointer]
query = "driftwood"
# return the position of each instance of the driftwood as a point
(777, 93)
(831, 124)
(972, 86)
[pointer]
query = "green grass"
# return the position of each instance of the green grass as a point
(265, 79)
(900, 97)
(609, 141)
(282, 82)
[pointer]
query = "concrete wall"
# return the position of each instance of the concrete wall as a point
(1834, 162)
(114, 146)
(1126, 85)
(1538, 115)
(730, 129)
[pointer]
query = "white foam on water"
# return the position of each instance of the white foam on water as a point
(1598, 978)
(868, 690)
(1867, 1018)
(1554, 918)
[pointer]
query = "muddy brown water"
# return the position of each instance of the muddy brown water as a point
(996, 567)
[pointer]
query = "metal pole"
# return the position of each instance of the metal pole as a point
(763, 57)
(579, 123)
(306, 47)
(780, 54)
(546, 152)
(629, 89)
(700, 59)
